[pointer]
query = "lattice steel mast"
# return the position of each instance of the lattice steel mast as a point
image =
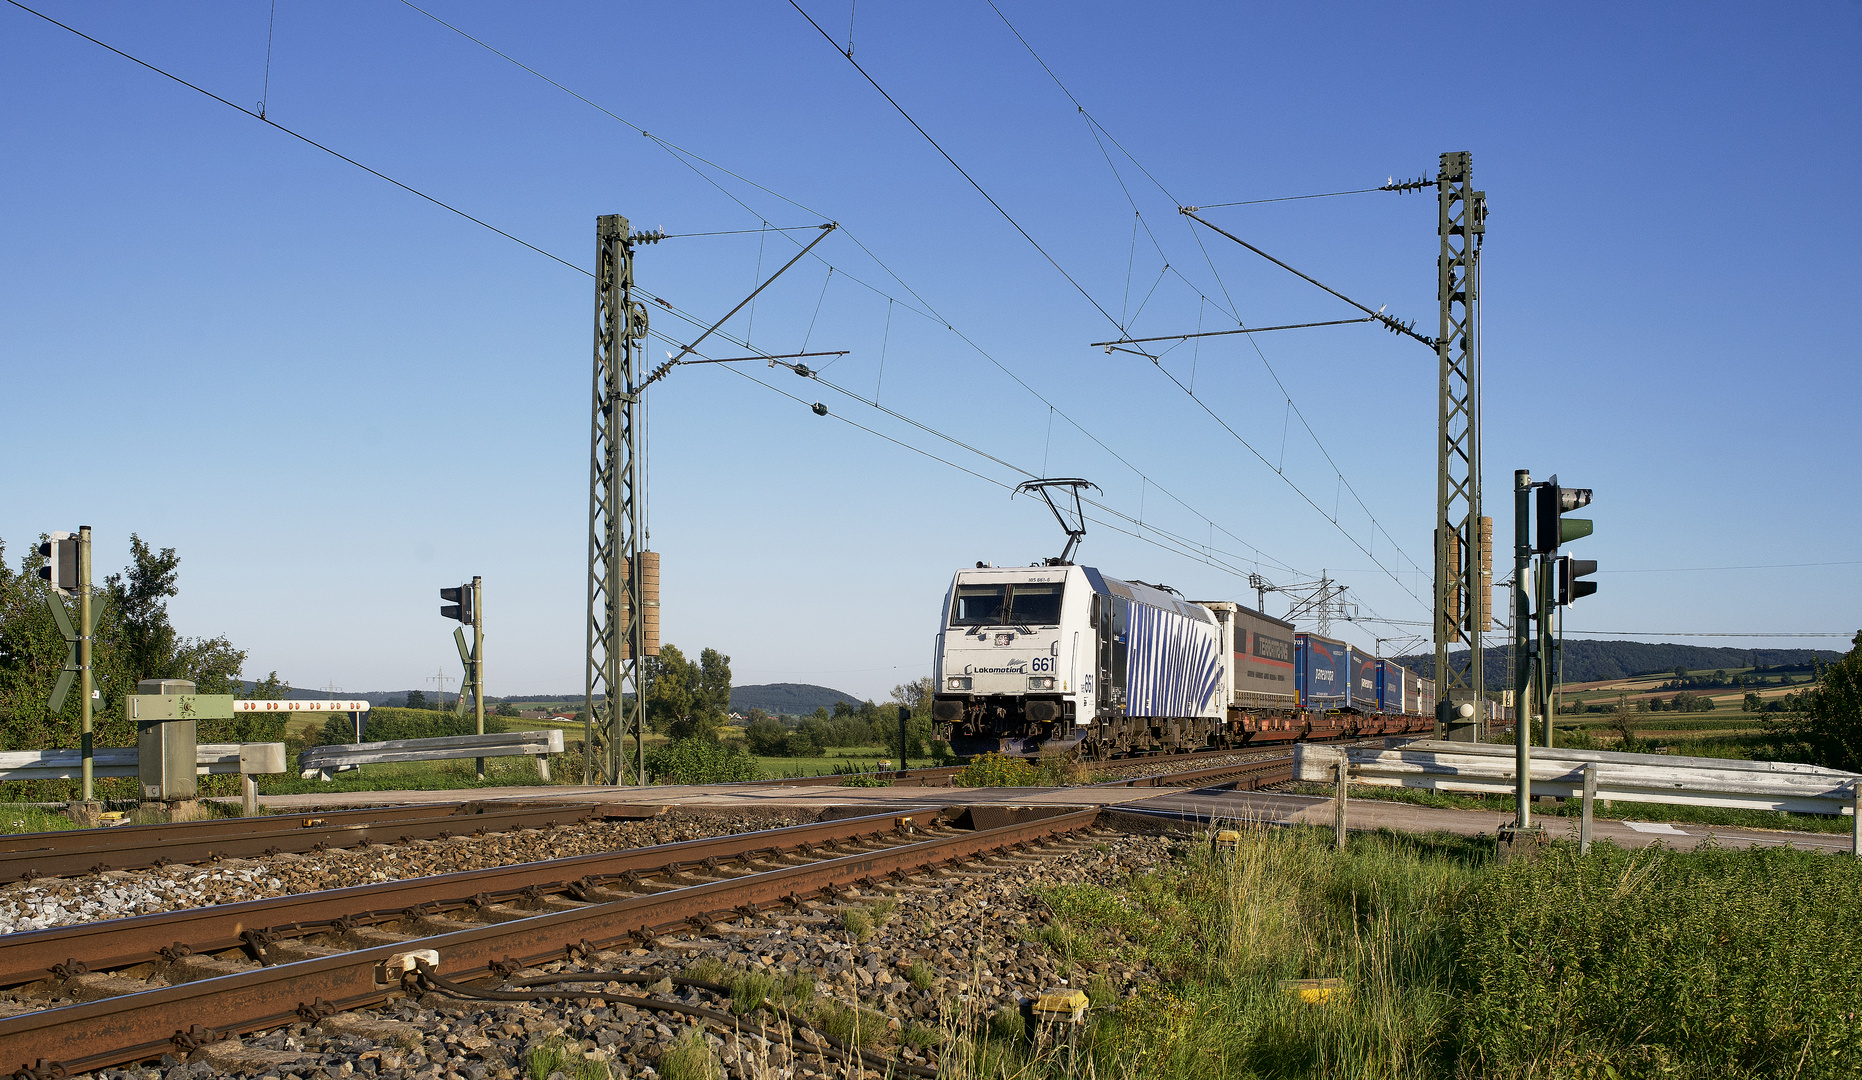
(1463, 563)
(622, 578)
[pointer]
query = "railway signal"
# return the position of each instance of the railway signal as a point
(1554, 529)
(1569, 571)
(463, 603)
(458, 604)
(67, 570)
(61, 562)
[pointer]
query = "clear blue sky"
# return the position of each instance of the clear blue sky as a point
(334, 398)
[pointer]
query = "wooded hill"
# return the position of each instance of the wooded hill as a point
(1593, 661)
(787, 698)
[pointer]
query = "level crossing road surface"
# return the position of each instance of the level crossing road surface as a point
(1158, 804)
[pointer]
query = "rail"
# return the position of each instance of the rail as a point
(73, 852)
(149, 1023)
(325, 761)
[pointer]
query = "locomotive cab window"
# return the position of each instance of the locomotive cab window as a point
(978, 605)
(1036, 604)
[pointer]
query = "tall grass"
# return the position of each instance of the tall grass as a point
(1619, 964)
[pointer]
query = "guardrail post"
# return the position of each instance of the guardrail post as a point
(1338, 808)
(249, 788)
(1590, 796)
(1855, 823)
(543, 767)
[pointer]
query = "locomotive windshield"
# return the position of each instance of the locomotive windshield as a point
(1023, 604)
(1035, 605)
(978, 605)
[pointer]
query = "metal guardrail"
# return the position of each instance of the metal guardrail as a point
(246, 758)
(1489, 768)
(324, 761)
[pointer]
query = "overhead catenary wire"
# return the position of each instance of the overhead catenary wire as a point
(1006, 216)
(301, 137)
(1223, 333)
(1287, 198)
(1097, 129)
(1193, 553)
(922, 308)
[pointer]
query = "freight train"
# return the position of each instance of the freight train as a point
(1058, 658)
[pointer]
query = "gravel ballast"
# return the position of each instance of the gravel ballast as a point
(943, 949)
(119, 894)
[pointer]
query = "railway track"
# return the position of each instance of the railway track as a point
(69, 853)
(73, 853)
(942, 776)
(93, 995)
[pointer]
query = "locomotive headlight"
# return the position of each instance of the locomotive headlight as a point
(957, 682)
(1040, 682)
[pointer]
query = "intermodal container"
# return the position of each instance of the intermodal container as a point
(1390, 688)
(1361, 691)
(1322, 671)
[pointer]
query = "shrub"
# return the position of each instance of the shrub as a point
(391, 724)
(766, 737)
(1001, 770)
(699, 761)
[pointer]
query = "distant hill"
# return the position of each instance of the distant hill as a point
(787, 698)
(1592, 661)
(373, 697)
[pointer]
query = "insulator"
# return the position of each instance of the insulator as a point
(820, 409)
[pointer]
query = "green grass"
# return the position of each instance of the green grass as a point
(867, 757)
(427, 776)
(1619, 964)
(556, 1056)
(15, 818)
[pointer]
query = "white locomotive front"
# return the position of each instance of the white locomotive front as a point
(1051, 658)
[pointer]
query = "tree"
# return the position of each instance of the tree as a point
(684, 699)
(1752, 702)
(766, 737)
(416, 699)
(713, 699)
(141, 594)
(669, 679)
(914, 695)
(151, 648)
(1825, 727)
(505, 708)
(134, 640)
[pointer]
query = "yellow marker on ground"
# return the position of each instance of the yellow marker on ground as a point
(1315, 991)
